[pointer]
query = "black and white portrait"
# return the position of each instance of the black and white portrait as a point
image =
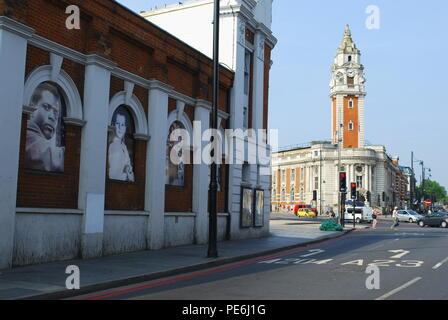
(45, 146)
(121, 146)
(175, 173)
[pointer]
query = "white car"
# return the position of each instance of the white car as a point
(362, 214)
(408, 216)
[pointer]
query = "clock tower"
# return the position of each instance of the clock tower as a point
(347, 94)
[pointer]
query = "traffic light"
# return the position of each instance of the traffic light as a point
(343, 182)
(353, 190)
(384, 196)
(368, 196)
(314, 195)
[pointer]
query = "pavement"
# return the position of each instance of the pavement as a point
(47, 281)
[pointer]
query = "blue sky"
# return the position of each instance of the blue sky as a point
(406, 66)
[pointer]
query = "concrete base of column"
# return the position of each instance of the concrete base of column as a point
(92, 245)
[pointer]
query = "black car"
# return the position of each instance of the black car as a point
(438, 219)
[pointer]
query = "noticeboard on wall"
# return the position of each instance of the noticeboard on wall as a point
(259, 208)
(247, 216)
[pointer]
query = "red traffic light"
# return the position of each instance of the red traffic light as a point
(353, 185)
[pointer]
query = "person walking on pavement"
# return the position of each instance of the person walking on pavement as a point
(395, 219)
(374, 217)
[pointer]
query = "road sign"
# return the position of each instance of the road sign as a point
(428, 202)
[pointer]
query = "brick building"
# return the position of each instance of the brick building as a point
(86, 119)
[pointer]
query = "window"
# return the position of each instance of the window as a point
(274, 178)
(316, 183)
(350, 126)
(350, 104)
(247, 67)
(246, 173)
(351, 82)
(283, 195)
(293, 175)
(283, 176)
(359, 181)
(292, 193)
(349, 58)
(301, 174)
(246, 118)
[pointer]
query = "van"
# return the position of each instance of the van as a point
(362, 214)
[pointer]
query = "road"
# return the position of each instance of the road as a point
(412, 264)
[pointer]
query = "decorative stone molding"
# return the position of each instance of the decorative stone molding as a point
(68, 89)
(136, 109)
(15, 27)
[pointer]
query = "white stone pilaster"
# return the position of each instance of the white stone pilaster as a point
(200, 173)
(156, 163)
(92, 171)
(13, 49)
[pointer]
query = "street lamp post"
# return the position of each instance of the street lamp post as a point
(213, 217)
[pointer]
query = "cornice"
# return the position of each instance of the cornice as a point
(16, 27)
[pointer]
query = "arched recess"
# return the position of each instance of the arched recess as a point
(68, 88)
(136, 109)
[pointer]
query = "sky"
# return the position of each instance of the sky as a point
(406, 67)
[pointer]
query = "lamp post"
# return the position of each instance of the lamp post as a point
(213, 217)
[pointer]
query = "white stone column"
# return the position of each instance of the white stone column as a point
(13, 49)
(156, 163)
(258, 82)
(200, 173)
(92, 170)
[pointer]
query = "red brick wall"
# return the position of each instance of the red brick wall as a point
(122, 195)
(351, 114)
(136, 45)
(127, 195)
(51, 190)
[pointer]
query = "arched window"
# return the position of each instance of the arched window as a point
(175, 166)
(45, 137)
(121, 146)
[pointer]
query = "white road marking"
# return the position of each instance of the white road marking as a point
(401, 253)
(313, 252)
(437, 266)
(406, 285)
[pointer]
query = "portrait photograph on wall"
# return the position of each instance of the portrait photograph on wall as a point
(246, 208)
(175, 173)
(121, 146)
(45, 134)
(259, 208)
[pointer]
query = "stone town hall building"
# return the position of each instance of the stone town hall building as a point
(86, 116)
(308, 174)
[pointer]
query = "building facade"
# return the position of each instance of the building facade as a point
(87, 118)
(309, 174)
(246, 43)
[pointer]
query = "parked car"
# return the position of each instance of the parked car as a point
(408, 216)
(306, 213)
(438, 219)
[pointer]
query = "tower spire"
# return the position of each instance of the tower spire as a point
(347, 44)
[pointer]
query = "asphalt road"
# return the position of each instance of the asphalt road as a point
(412, 264)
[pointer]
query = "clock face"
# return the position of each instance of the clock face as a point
(351, 73)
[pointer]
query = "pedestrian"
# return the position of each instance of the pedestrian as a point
(395, 219)
(375, 218)
(332, 214)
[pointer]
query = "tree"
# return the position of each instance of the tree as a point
(432, 189)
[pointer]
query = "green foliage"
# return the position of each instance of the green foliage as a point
(432, 189)
(331, 225)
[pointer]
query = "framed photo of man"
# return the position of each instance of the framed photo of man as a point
(121, 146)
(247, 215)
(259, 208)
(45, 134)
